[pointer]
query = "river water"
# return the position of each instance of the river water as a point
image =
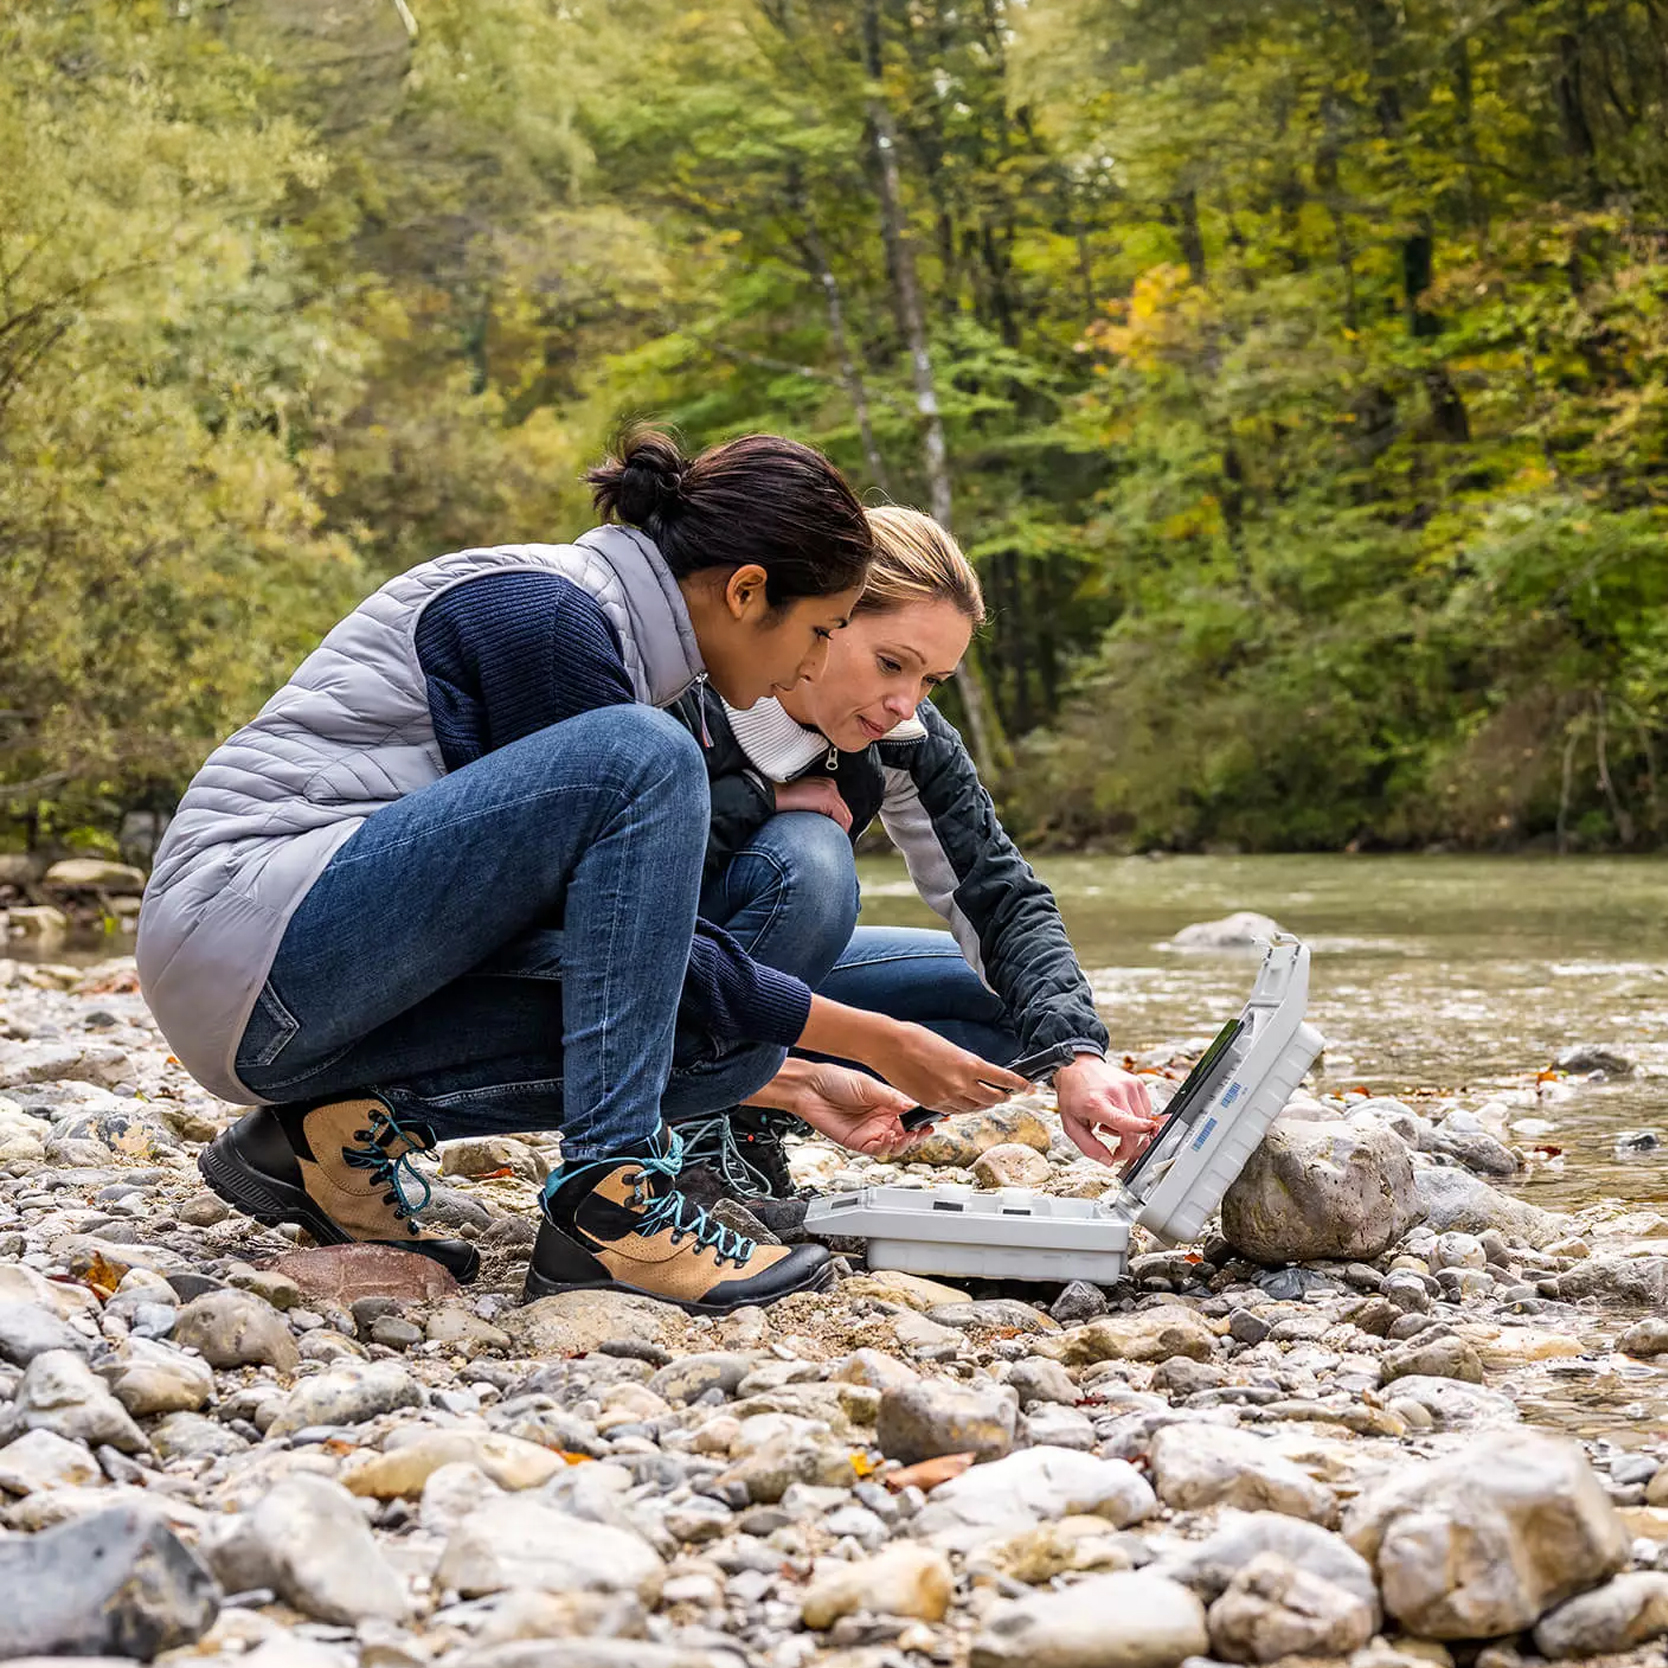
(1436, 975)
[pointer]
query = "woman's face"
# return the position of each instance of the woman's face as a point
(752, 650)
(879, 669)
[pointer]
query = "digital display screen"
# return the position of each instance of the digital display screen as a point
(1191, 1098)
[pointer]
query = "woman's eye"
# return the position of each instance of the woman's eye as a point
(890, 667)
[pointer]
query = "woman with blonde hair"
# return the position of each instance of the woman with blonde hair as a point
(796, 779)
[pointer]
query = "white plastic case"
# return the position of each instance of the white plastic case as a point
(1214, 1122)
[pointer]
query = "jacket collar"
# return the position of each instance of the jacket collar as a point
(660, 625)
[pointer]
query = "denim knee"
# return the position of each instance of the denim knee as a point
(640, 749)
(818, 875)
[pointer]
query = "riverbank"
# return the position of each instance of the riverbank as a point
(369, 1466)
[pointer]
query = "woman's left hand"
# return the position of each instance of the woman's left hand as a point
(856, 1110)
(1095, 1095)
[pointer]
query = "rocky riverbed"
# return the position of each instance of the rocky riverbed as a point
(1323, 1434)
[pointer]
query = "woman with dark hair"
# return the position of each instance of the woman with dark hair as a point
(446, 882)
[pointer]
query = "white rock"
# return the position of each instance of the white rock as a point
(1244, 930)
(42, 1459)
(522, 1542)
(307, 1540)
(1609, 1620)
(904, 1580)
(1485, 1540)
(1274, 1609)
(451, 1492)
(1197, 1465)
(1208, 1566)
(1035, 1485)
(1131, 1620)
(149, 1377)
(347, 1395)
(60, 1392)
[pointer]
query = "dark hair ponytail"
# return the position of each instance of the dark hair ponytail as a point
(758, 499)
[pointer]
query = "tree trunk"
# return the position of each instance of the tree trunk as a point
(900, 261)
(815, 255)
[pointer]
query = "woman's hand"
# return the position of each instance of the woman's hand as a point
(850, 1107)
(931, 1071)
(1095, 1095)
(814, 793)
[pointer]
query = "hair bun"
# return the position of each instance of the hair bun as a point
(642, 484)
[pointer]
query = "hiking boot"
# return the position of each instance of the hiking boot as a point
(620, 1224)
(339, 1169)
(744, 1146)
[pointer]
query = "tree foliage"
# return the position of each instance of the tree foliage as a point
(1297, 374)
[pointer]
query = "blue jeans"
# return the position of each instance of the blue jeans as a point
(503, 949)
(791, 897)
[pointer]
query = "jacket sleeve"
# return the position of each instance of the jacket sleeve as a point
(964, 865)
(742, 803)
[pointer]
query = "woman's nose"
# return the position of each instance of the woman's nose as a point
(814, 662)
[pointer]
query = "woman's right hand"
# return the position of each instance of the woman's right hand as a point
(940, 1075)
(814, 793)
(931, 1071)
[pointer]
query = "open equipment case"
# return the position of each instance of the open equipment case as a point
(1213, 1124)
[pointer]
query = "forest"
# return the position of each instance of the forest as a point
(1295, 371)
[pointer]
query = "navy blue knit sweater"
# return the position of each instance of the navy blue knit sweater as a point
(506, 654)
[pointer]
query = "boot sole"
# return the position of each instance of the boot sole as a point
(274, 1203)
(537, 1287)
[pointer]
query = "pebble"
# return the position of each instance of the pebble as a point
(1129, 1620)
(522, 1542)
(905, 1580)
(1616, 1617)
(347, 1394)
(307, 1540)
(1031, 1487)
(935, 1416)
(28, 1330)
(1148, 1335)
(236, 1329)
(1273, 1608)
(59, 1392)
(41, 1459)
(1197, 1465)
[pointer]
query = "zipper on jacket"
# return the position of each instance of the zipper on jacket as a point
(701, 703)
(832, 762)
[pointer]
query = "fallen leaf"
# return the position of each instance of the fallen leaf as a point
(929, 1473)
(104, 1277)
(861, 1464)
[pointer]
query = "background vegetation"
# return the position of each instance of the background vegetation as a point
(1295, 370)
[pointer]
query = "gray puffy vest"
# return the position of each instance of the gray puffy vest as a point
(349, 733)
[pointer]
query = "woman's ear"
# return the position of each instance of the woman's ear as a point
(745, 593)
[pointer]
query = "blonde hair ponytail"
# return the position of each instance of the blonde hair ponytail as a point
(915, 560)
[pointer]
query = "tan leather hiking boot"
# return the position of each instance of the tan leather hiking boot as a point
(620, 1224)
(340, 1169)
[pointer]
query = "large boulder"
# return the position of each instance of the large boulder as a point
(1321, 1190)
(1486, 1540)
